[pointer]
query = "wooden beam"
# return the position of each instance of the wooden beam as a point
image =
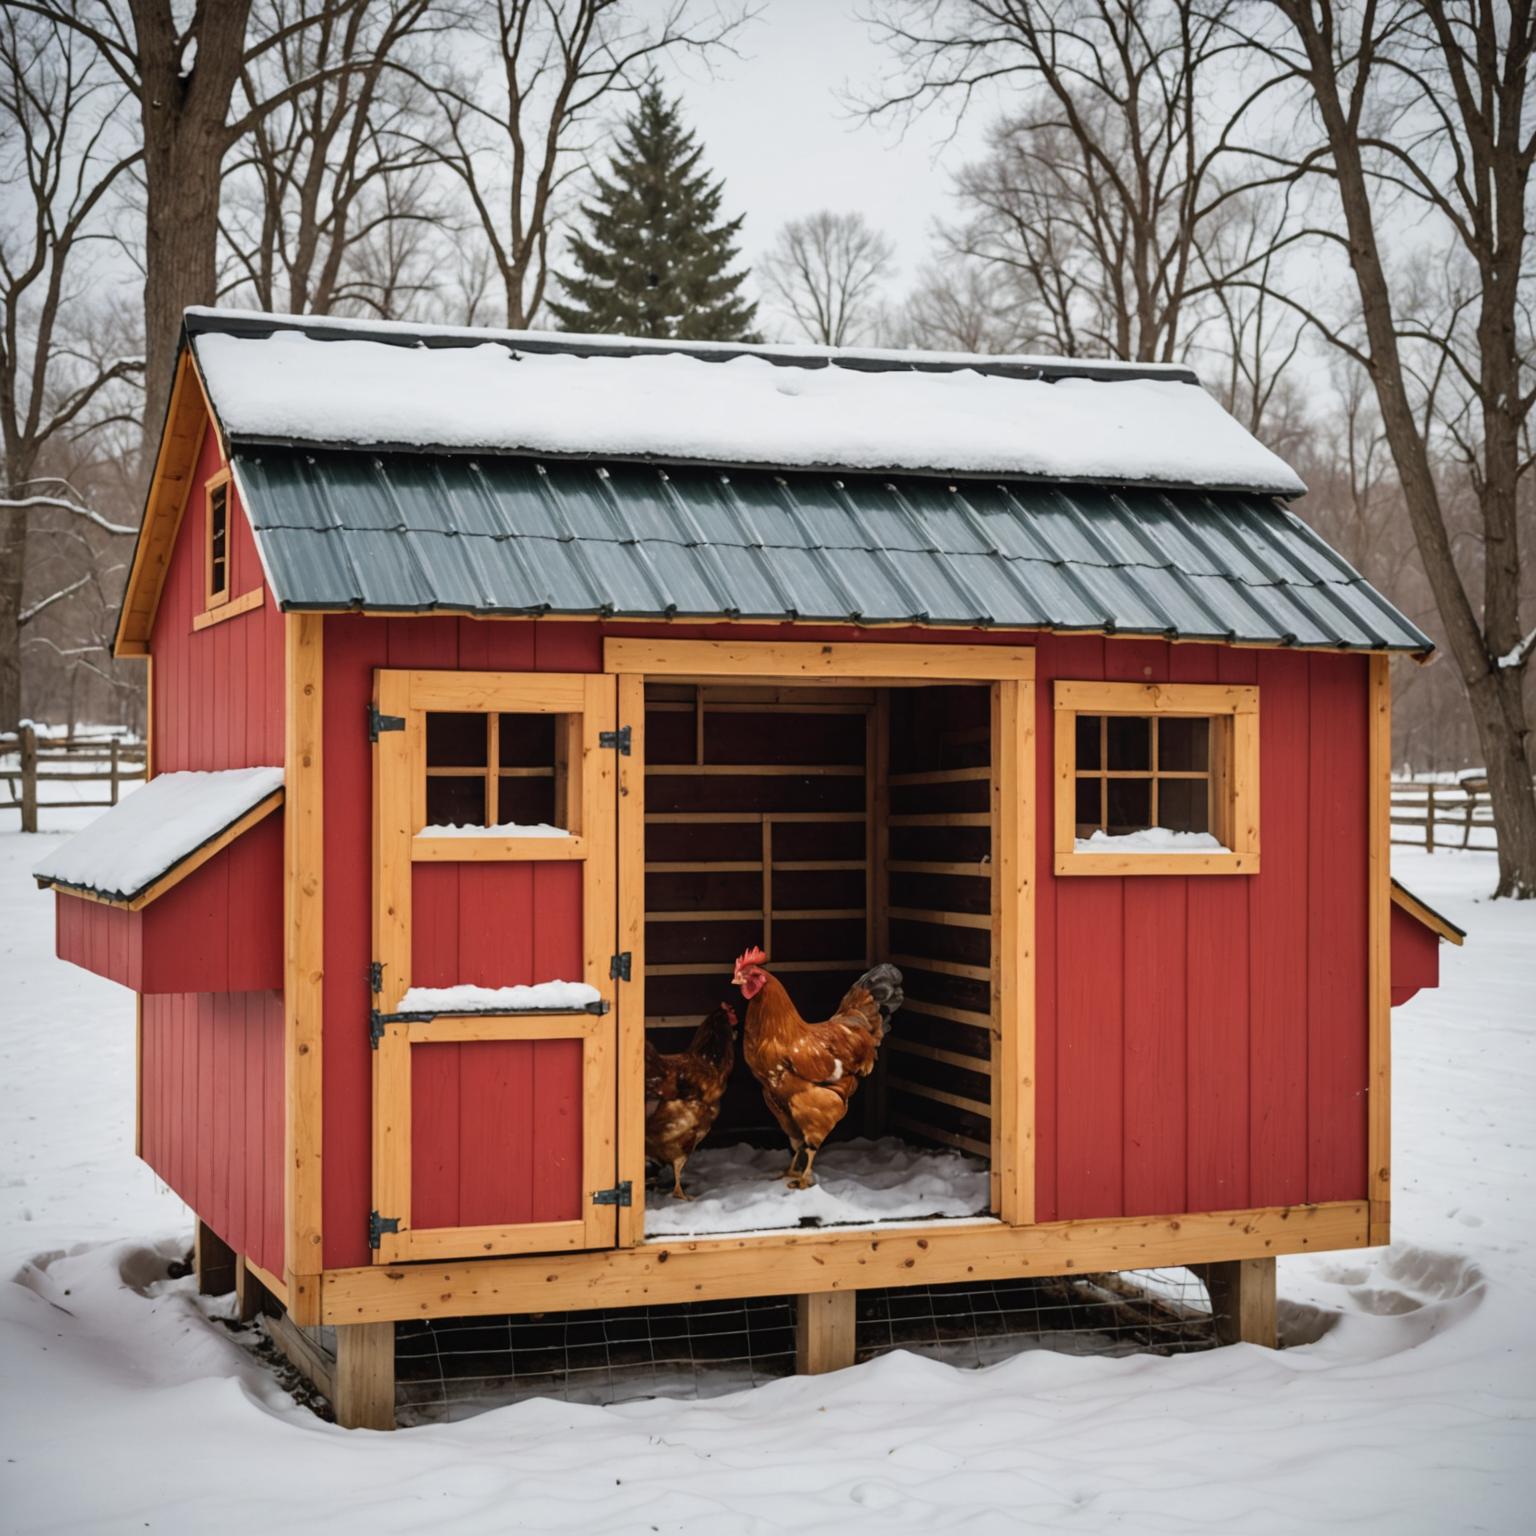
(213, 1261)
(250, 1293)
(303, 958)
(247, 602)
(629, 996)
(365, 1376)
(791, 1263)
(1242, 1295)
(1379, 941)
(810, 661)
(304, 1354)
(825, 1331)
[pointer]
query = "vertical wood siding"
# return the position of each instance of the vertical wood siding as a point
(213, 1111)
(1415, 956)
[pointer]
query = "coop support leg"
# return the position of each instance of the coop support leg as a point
(365, 1376)
(251, 1296)
(1243, 1300)
(213, 1262)
(824, 1332)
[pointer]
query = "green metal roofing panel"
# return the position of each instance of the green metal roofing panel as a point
(413, 532)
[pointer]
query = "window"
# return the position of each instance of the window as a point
(217, 497)
(502, 770)
(1156, 778)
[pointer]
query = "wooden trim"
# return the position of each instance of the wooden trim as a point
(937, 1133)
(952, 1015)
(1233, 773)
(977, 1064)
(278, 1289)
(434, 1244)
(759, 770)
(501, 850)
(303, 1354)
(1379, 930)
(232, 608)
(941, 776)
(303, 957)
(941, 918)
(189, 864)
(826, 1332)
(454, 1028)
(521, 693)
(629, 996)
(1416, 909)
(1242, 1293)
(220, 479)
(794, 1263)
(804, 662)
(953, 1100)
(365, 1376)
(979, 870)
(942, 967)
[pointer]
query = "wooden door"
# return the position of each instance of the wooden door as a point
(494, 868)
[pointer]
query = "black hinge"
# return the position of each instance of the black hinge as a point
(618, 740)
(375, 1027)
(375, 975)
(379, 1225)
(618, 1195)
(619, 966)
(378, 722)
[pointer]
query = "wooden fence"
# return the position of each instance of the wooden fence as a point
(28, 760)
(1431, 816)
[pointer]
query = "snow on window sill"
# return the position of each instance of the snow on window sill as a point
(541, 997)
(504, 829)
(1150, 840)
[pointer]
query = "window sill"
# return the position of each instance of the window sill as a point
(231, 609)
(1157, 863)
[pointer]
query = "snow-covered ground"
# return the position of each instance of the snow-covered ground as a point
(122, 1408)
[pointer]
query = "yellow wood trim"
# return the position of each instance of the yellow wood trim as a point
(953, 1015)
(801, 1262)
(1426, 915)
(943, 967)
(220, 479)
(806, 661)
(277, 1287)
(303, 951)
(392, 1141)
(501, 850)
(149, 718)
(1157, 864)
(189, 865)
(433, 1243)
(1101, 698)
(941, 776)
(945, 1138)
(629, 996)
(523, 693)
(231, 608)
(452, 1028)
(944, 819)
(1379, 908)
(941, 918)
(954, 1100)
(974, 871)
(977, 1064)
(826, 1332)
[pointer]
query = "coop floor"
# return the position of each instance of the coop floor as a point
(740, 1188)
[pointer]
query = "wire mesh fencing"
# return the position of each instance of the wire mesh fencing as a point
(452, 1368)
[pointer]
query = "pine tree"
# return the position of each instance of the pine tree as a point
(655, 261)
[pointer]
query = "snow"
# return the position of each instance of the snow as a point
(857, 1181)
(501, 829)
(128, 1405)
(152, 830)
(747, 410)
(1150, 840)
(569, 996)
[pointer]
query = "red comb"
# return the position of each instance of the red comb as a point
(753, 956)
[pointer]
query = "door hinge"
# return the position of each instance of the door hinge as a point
(375, 1027)
(375, 975)
(619, 966)
(378, 722)
(378, 1226)
(617, 740)
(618, 1195)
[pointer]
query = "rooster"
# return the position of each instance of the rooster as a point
(808, 1071)
(683, 1092)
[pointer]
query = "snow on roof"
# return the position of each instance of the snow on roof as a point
(372, 385)
(120, 855)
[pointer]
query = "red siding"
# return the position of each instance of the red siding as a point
(1415, 956)
(219, 930)
(212, 1075)
(218, 692)
(495, 925)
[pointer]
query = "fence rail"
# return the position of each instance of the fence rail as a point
(1430, 816)
(28, 760)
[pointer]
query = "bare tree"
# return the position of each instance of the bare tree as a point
(62, 152)
(516, 136)
(1421, 110)
(961, 305)
(825, 271)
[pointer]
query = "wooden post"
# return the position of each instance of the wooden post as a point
(365, 1376)
(28, 734)
(1429, 819)
(1242, 1300)
(825, 1332)
(213, 1261)
(113, 750)
(250, 1294)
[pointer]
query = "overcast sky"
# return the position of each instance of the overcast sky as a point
(773, 126)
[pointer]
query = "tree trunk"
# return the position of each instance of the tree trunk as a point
(13, 564)
(1498, 711)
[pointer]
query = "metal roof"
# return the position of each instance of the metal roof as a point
(413, 532)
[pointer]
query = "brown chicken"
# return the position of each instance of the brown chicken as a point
(683, 1092)
(808, 1071)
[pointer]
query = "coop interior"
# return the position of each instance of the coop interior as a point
(834, 828)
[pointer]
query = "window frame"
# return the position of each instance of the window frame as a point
(1233, 710)
(216, 597)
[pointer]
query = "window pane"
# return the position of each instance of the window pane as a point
(527, 741)
(526, 801)
(1088, 818)
(1130, 742)
(1183, 805)
(1183, 744)
(456, 802)
(455, 741)
(1130, 805)
(1088, 741)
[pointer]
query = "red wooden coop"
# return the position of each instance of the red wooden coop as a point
(504, 687)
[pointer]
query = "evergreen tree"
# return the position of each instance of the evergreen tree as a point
(655, 260)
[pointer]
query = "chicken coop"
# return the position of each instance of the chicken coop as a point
(505, 687)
